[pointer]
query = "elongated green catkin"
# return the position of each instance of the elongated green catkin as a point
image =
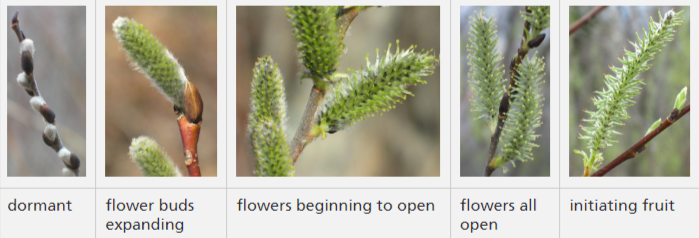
(268, 120)
(152, 161)
(524, 117)
(271, 149)
(485, 73)
(151, 58)
(539, 19)
(319, 39)
(623, 86)
(376, 88)
(268, 97)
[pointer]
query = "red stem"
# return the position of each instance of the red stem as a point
(585, 19)
(190, 137)
(637, 148)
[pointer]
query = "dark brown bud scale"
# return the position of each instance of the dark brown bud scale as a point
(27, 63)
(47, 113)
(504, 104)
(74, 162)
(536, 41)
(47, 141)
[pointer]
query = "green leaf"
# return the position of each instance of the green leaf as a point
(152, 161)
(374, 89)
(486, 76)
(681, 99)
(152, 58)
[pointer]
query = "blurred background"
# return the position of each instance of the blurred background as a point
(595, 47)
(475, 134)
(135, 107)
(59, 69)
(402, 142)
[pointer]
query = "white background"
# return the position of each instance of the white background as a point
(210, 194)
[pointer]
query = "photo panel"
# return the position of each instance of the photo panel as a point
(628, 97)
(365, 100)
(164, 110)
(49, 115)
(505, 75)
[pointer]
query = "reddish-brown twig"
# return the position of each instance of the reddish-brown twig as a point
(637, 148)
(189, 120)
(585, 19)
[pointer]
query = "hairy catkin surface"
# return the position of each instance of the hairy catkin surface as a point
(152, 58)
(376, 88)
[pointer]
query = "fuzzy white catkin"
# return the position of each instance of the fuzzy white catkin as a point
(64, 154)
(50, 132)
(22, 80)
(37, 102)
(27, 45)
(67, 172)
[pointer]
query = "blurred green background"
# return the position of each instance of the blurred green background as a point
(135, 107)
(475, 134)
(59, 68)
(595, 47)
(402, 142)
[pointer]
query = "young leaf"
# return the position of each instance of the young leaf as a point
(485, 73)
(524, 115)
(152, 161)
(378, 87)
(681, 99)
(623, 86)
(152, 59)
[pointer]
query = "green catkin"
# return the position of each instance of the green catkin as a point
(623, 86)
(268, 119)
(487, 76)
(271, 149)
(524, 115)
(376, 88)
(151, 58)
(152, 161)
(319, 40)
(539, 19)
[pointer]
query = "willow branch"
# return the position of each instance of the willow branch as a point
(189, 121)
(27, 81)
(303, 136)
(522, 51)
(640, 146)
(585, 19)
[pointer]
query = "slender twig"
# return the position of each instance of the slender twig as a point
(585, 19)
(303, 134)
(189, 120)
(27, 81)
(637, 148)
(505, 102)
